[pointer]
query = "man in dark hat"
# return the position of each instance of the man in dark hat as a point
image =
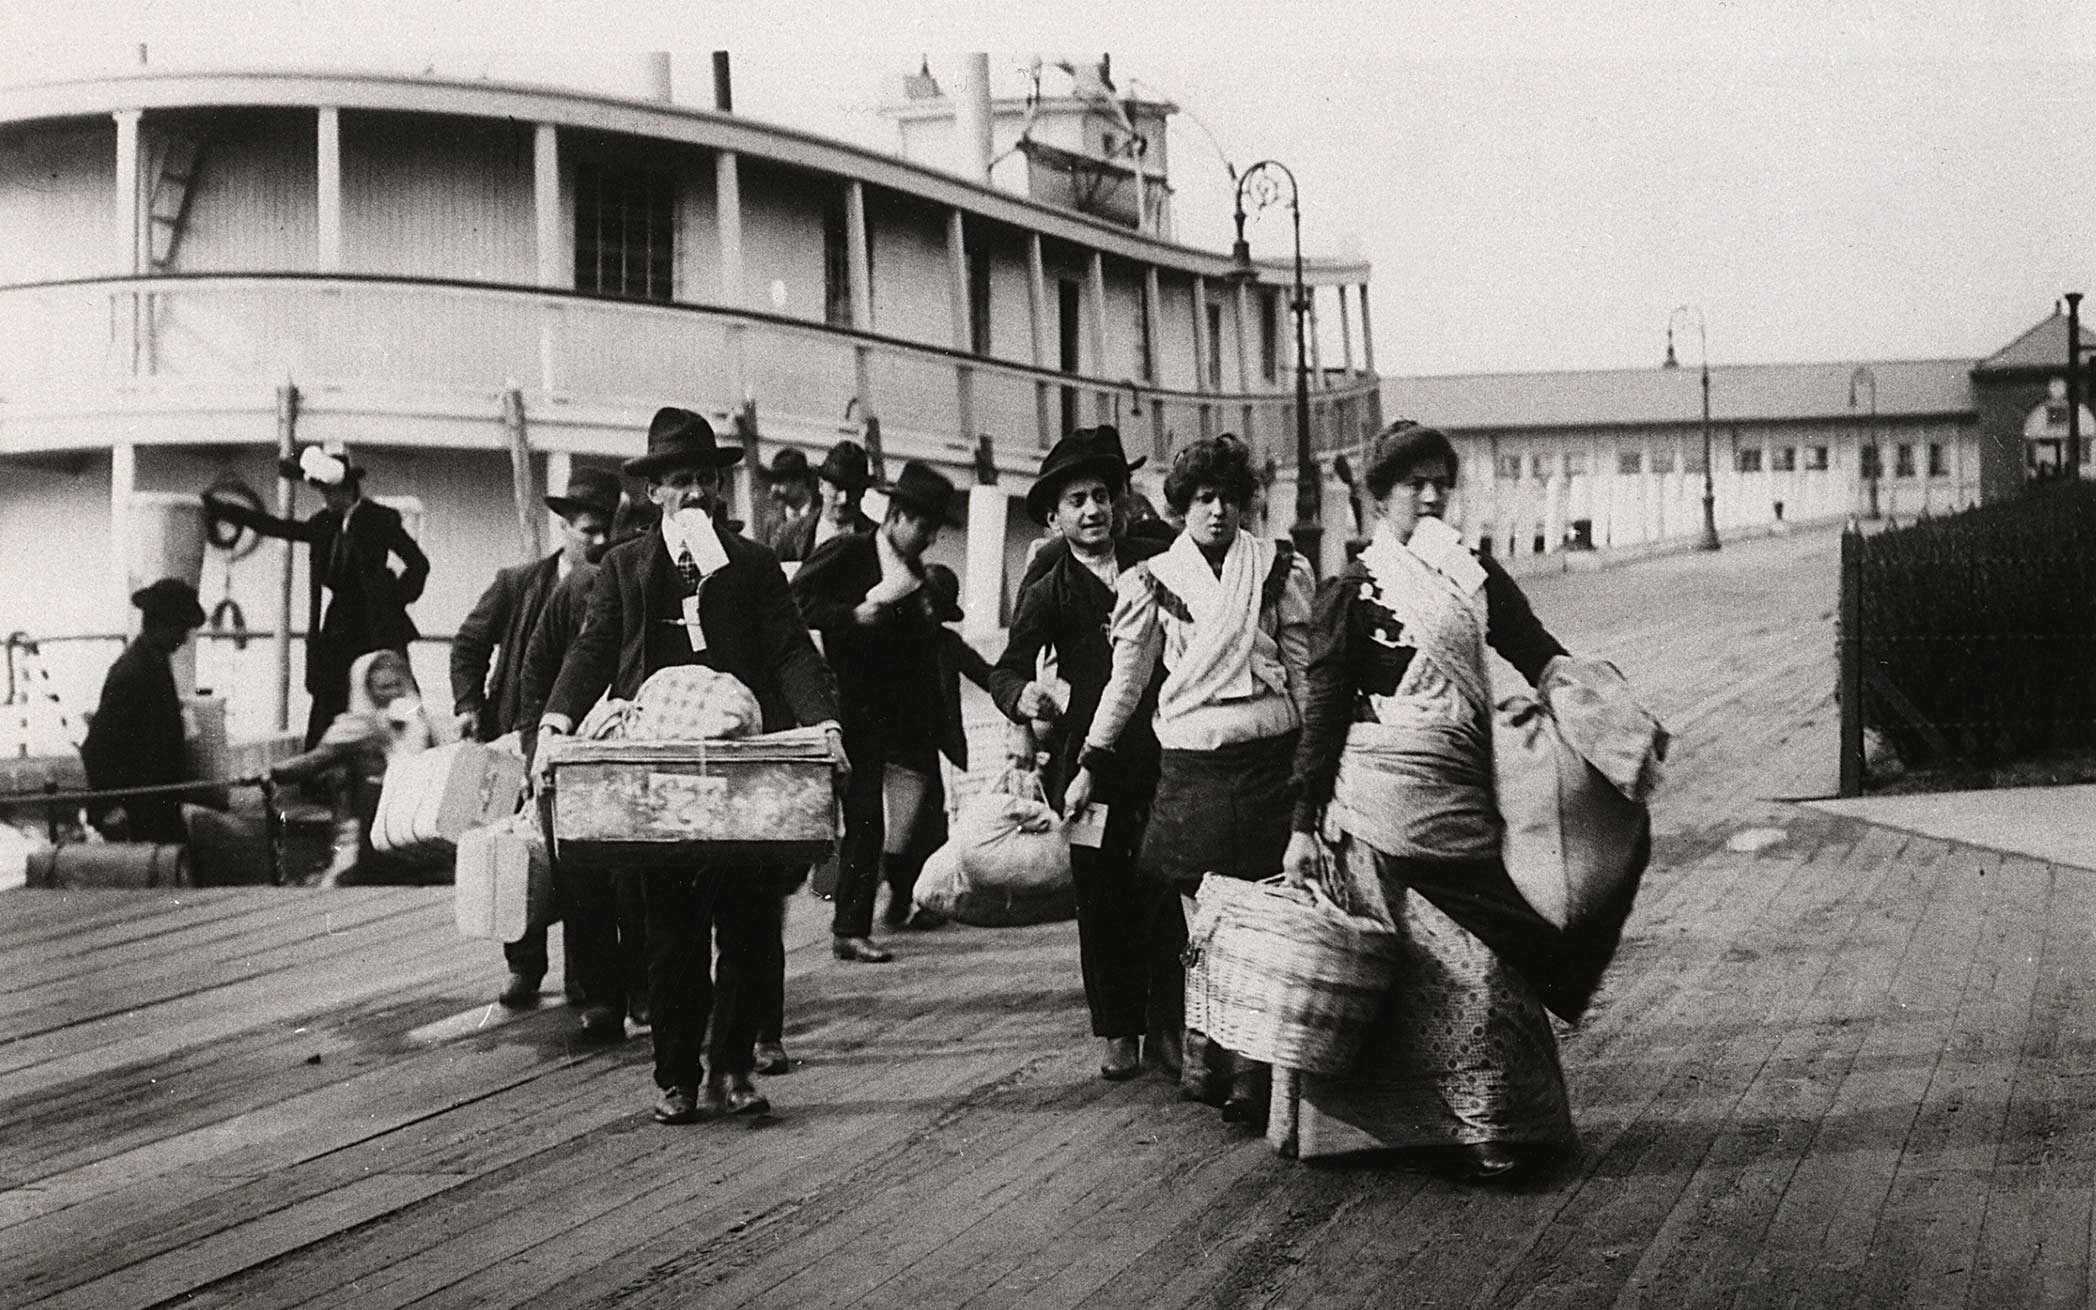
(135, 737)
(865, 593)
(791, 485)
(694, 592)
(351, 537)
(1125, 939)
(486, 702)
(1129, 521)
(844, 476)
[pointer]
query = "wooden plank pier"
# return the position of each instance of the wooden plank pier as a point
(1836, 1065)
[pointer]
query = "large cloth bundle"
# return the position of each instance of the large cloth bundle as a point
(432, 798)
(690, 702)
(1286, 975)
(503, 886)
(1572, 771)
(1006, 862)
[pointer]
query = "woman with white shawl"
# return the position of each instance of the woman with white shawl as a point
(1226, 614)
(1395, 766)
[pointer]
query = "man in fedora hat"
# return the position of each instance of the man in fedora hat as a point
(844, 477)
(486, 701)
(1124, 939)
(135, 737)
(790, 483)
(865, 593)
(367, 602)
(694, 592)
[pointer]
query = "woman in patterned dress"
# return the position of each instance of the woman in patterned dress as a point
(1395, 767)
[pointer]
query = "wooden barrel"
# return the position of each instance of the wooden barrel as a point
(110, 864)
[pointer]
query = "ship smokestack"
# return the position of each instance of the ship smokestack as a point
(972, 117)
(658, 76)
(723, 85)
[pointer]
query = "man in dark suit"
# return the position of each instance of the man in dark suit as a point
(843, 477)
(486, 703)
(694, 592)
(367, 602)
(1126, 936)
(135, 738)
(865, 593)
(790, 485)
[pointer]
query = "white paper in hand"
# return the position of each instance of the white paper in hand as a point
(1089, 827)
(696, 526)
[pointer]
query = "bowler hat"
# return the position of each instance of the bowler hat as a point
(678, 438)
(326, 465)
(845, 466)
(589, 489)
(1081, 454)
(170, 600)
(922, 489)
(789, 465)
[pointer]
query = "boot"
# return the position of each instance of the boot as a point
(1120, 1058)
(1166, 1048)
(1250, 1090)
(1199, 1079)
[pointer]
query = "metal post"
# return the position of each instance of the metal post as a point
(2073, 469)
(287, 437)
(1710, 498)
(1850, 639)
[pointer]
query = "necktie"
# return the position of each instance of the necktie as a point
(688, 569)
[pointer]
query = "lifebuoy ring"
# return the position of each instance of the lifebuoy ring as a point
(229, 536)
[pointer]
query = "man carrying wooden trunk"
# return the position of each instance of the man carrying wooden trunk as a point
(694, 592)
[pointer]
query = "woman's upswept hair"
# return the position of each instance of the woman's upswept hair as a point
(1399, 449)
(1222, 462)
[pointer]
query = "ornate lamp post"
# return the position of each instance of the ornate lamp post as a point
(1261, 183)
(1710, 498)
(1871, 455)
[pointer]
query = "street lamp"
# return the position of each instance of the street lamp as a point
(1871, 456)
(1710, 496)
(1260, 182)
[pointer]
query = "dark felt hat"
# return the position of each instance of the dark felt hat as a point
(1081, 454)
(678, 438)
(845, 466)
(595, 490)
(321, 466)
(942, 593)
(923, 489)
(170, 600)
(789, 465)
(1107, 437)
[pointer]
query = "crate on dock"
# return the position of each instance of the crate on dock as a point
(637, 803)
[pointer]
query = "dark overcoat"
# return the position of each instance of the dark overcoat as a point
(796, 540)
(498, 630)
(135, 740)
(888, 675)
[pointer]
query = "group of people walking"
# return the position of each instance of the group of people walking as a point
(1189, 689)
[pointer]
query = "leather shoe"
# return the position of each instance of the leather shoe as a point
(858, 950)
(771, 1058)
(679, 1105)
(602, 1025)
(897, 912)
(1120, 1059)
(1485, 1162)
(732, 1094)
(1247, 1102)
(521, 991)
(638, 1012)
(1166, 1050)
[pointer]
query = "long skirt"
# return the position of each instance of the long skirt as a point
(1225, 811)
(1461, 1053)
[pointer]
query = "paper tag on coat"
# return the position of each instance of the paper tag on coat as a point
(1089, 827)
(692, 627)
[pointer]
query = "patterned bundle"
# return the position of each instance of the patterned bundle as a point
(689, 702)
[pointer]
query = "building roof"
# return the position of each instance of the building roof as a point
(2043, 347)
(1670, 396)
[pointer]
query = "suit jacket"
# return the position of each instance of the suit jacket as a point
(751, 628)
(796, 540)
(500, 624)
(366, 609)
(888, 679)
(1067, 607)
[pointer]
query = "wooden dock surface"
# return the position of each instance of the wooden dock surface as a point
(1836, 1066)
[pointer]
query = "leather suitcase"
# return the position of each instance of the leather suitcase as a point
(432, 799)
(503, 884)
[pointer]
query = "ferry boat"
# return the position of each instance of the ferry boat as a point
(476, 286)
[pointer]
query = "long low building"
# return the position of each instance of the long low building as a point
(476, 285)
(1614, 459)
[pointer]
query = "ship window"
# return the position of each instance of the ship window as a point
(836, 266)
(1903, 460)
(1215, 346)
(1749, 459)
(1939, 466)
(1816, 459)
(625, 223)
(979, 301)
(1269, 335)
(1630, 461)
(1872, 464)
(1146, 315)
(1783, 459)
(1509, 467)
(1663, 460)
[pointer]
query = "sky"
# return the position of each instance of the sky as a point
(1536, 185)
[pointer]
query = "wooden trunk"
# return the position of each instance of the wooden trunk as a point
(629, 804)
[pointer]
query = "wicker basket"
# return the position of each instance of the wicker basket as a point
(1283, 975)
